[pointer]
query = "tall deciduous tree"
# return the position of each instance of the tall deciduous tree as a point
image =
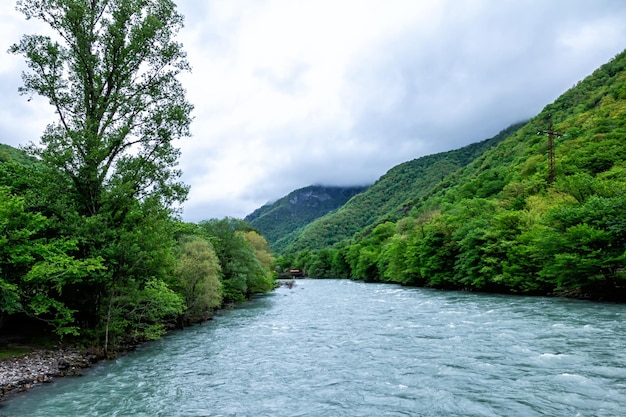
(109, 69)
(110, 73)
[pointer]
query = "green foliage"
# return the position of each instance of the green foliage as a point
(247, 266)
(10, 154)
(281, 221)
(588, 242)
(262, 280)
(142, 313)
(112, 82)
(198, 272)
(322, 266)
(436, 253)
(93, 246)
(395, 194)
(88, 238)
(34, 269)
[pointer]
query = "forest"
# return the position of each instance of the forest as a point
(107, 283)
(508, 221)
(92, 247)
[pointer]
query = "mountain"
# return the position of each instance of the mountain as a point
(9, 153)
(389, 197)
(542, 211)
(300, 207)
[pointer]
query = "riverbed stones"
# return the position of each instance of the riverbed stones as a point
(22, 373)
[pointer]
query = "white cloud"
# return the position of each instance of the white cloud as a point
(292, 93)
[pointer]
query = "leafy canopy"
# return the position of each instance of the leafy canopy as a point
(110, 74)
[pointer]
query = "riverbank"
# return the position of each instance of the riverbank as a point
(21, 373)
(31, 360)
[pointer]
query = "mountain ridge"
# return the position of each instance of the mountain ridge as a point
(390, 194)
(290, 213)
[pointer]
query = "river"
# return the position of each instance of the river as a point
(344, 348)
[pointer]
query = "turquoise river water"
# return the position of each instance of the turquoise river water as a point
(344, 348)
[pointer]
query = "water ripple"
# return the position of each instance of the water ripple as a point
(341, 348)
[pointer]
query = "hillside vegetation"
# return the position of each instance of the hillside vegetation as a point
(281, 221)
(390, 197)
(9, 153)
(499, 223)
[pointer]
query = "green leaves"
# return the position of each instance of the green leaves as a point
(198, 272)
(588, 242)
(36, 269)
(243, 255)
(142, 313)
(112, 81)
(58, 270)
(555, 245)
(10, 302)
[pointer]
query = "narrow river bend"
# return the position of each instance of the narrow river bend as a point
(343, 348)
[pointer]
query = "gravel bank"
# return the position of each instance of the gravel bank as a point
(22, 373)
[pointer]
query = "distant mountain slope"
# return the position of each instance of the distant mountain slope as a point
(299, 208)
(389, 197)
(590, 140)
(9, 153)
(510, 220)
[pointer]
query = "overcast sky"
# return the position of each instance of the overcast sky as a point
(290, 93)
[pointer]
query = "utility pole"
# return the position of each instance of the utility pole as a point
(551, 135)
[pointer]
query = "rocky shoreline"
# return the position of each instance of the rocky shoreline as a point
(19, 374)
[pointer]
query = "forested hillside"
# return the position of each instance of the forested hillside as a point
(282, 219)
(504, 222)
(389, 197)
(9, 153)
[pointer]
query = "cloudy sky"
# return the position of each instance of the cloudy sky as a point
(290, 93)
